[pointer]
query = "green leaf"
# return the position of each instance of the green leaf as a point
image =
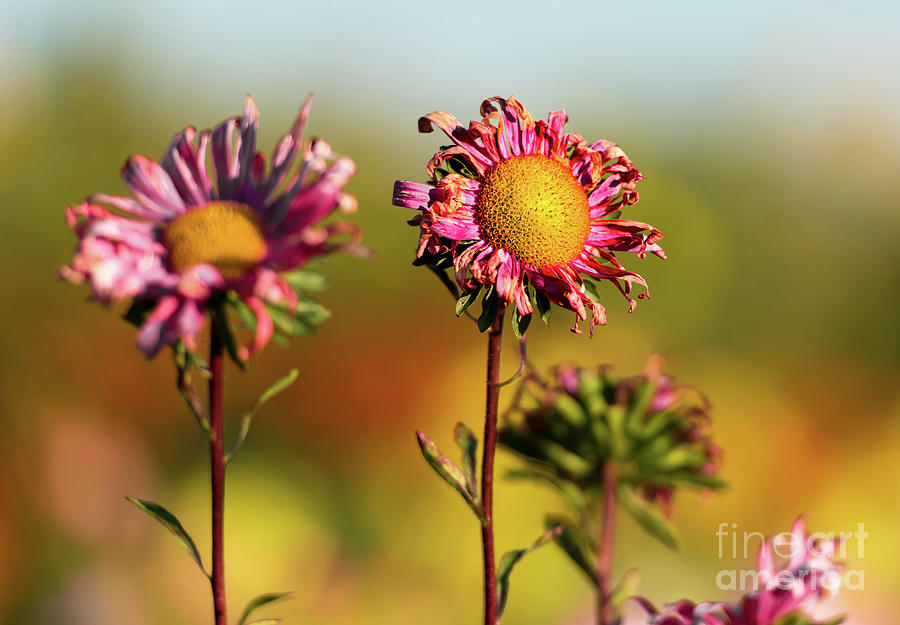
(490, 306)
(570, 493)
(465, 300)
(266, 621)
(467, 441)
(541, 304)
(231, 345)
(260, 601)
(449, 472)
(171, 523)
(185, 363)
(305, 280)
(520, 323)
(312, 312)
(573, 542)
(139, 310)
(277, 387)
(510, 559)
(648, 517)
(591, 288)
(625, 589)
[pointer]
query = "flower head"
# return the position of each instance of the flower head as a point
(655, 430)
(783, 590)
(199, 235)
(528, 211)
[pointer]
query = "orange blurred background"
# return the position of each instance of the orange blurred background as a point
(768, 138)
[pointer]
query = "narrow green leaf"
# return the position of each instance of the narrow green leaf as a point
(467, 441)
(648, 517)
(171, 523)
(305, 280)
(573, 542)
(570, 493)
(260, 601)
(266, 621)
(231, 345)
(465, 300)
(312, 312)
(591, 288)
(273, 390)
(138, 312)
(520, 323)
(510, 559)
(448, 471)
(542, 305)
(625, 589)
(490, 306)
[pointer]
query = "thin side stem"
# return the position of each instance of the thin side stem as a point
(217, 471)
(605, 610)
(495, 334)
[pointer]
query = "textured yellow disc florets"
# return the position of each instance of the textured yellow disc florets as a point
(226, 235)
(532, 207)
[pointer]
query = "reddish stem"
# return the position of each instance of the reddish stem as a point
(217, 466)
(605, 610)
(487, 469)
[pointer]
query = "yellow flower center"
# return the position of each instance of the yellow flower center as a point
(226, 235)
(532, 207)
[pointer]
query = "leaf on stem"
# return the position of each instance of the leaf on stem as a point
(467, 441)
(449, 472)
(510, 559)
(570, 493)
(171, 523)
(648, 517)
(279, 385)
(260, 601)
(625, 589)
(465, 300)
(490, 306)
(185, 363)
(572, 540)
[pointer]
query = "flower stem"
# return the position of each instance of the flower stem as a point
(487, 469)
(605, 610)
(217, 470)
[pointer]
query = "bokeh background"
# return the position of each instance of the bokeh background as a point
(768, 133)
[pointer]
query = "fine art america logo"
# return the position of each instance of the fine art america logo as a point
(738, 544)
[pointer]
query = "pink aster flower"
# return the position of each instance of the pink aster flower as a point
(785, 588)
(529, 210)
(195, 231)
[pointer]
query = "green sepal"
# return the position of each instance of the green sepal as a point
(510, 559)
(574, 544)
(465, 300)
(541, 304)
(468, 443)
(648, 517)
(138, 312)
(592, 290)
(305, 280)
(490, 306)
(450, 473)
(457, 165)
(273, 390)
(231, 345)
(260, 601)
(520, 323)
(171, 523)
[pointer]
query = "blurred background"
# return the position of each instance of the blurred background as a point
(768, 135)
